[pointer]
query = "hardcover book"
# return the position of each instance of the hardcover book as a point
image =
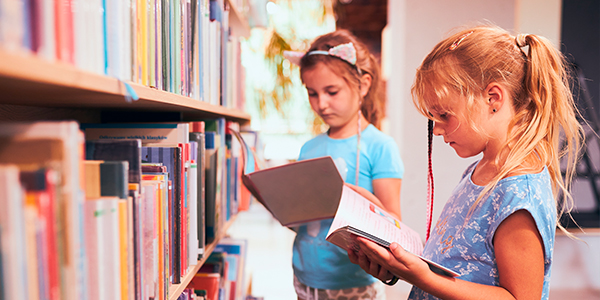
(312, 189)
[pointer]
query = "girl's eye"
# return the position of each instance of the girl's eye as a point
(312, 94)
(333, 93)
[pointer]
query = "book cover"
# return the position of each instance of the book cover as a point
(198, 137)
(171, 157)
(167, 133)
(193, 202)
(106, 178)
(298, 192)
(161, 226)
(148, 237)
(64, 31)
(213, 193)
(118, 150)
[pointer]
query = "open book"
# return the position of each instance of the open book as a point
(358, 216)
(311, 190)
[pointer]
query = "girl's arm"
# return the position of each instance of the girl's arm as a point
(386, 194)
(519, 255)
(387, 190)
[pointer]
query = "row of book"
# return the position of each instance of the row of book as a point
(222, 275)
(112, 211)
(180, 46)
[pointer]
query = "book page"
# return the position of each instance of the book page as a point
(356, 212)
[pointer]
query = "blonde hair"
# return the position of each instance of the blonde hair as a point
(538, 81)
(372, 103)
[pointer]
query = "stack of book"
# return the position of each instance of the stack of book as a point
(180, 46)
(112, 211)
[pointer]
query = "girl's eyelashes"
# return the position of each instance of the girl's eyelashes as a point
(438, 116)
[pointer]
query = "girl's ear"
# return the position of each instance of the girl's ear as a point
(497, 96)
(365, 84)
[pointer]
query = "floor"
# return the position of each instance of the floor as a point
(268, 264)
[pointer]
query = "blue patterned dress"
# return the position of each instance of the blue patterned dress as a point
(468, 248)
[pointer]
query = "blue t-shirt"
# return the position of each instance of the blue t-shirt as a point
(469, 250)
(318, 263)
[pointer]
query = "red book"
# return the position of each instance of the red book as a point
(41, 185)
(65, 46)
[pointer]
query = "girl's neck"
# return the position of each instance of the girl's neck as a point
(487, 169)
(349, 129)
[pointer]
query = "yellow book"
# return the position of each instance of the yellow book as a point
(123, 251)
(151, 32)
(142, 39)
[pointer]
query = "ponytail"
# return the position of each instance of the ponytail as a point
(553, 114)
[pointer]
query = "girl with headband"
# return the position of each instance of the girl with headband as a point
(507, 98)
(343, 83)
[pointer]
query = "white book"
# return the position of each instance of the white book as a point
(115, 29)
(80, 33)
(149, 238)
(110, 242)
(93, 235)
(95, 40)
(193, 211)
(12, 227)
(205, 57)
(12, 24)
(126, 53)
(47, 46)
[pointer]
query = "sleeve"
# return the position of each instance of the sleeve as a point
(387, 162)
(533, 197)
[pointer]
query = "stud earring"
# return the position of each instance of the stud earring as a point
(494, 110)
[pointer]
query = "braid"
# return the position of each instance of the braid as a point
(429, 178)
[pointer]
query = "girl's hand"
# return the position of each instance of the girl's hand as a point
(383, 264)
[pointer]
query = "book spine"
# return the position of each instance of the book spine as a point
(177, 217)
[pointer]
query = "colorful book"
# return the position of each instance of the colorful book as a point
(171, 157)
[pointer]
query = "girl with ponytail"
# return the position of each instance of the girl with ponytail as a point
(342, 79)
(508, 98)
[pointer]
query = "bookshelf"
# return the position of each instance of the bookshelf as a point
(27, 80)
(176, 289)
(33, 88)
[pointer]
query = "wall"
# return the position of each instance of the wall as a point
(414, 27)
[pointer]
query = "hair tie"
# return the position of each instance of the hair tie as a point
(459, 40)
(345, 52)
(521, 40)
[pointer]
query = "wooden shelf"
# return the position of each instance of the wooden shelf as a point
(175, 290)
(28, 80)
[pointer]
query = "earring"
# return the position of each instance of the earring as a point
(494, 110)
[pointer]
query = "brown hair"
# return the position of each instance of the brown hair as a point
(536, 76)
(372, 103)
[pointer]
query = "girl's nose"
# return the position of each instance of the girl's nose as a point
(322, 102)
(437, 128)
